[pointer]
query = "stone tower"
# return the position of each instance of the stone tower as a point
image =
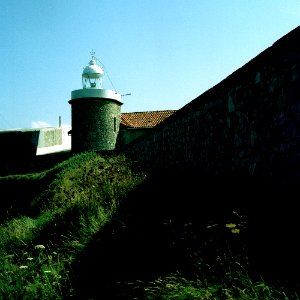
(95, 112)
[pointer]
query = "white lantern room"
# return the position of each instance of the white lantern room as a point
(92, 75)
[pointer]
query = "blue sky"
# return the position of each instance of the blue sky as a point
(165, 53)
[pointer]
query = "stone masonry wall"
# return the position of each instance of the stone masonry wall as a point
(249, 123)
(95, 124)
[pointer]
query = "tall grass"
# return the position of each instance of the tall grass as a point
(56, 215)
(80, 197)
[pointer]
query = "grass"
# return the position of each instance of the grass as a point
(98, 227)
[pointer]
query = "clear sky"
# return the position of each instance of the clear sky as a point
(164, 52)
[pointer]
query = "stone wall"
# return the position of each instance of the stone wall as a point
(49, 137)
(19, 148)
(246, 124)
(25, 142)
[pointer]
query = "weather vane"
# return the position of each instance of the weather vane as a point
(93, 53)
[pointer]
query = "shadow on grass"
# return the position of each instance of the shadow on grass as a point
(176, 222)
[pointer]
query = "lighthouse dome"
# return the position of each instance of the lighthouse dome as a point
(92, 70)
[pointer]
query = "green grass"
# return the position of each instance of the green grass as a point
(92, 213)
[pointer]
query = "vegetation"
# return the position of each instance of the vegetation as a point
(98, 227)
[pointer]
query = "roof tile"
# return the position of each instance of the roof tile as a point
(146, 119)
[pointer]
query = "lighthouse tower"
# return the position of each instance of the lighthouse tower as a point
(95, 112)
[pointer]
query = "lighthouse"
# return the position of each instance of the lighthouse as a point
(95, 112)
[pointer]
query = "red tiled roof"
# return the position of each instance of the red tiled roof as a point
(145, 119)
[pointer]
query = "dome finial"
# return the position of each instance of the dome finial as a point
(93, 54)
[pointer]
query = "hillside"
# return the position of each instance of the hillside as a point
(99, 227)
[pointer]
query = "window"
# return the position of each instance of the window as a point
(115, 124)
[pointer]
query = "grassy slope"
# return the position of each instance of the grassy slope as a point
(110, 232)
